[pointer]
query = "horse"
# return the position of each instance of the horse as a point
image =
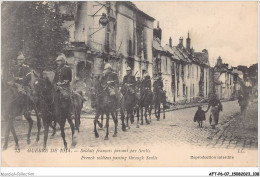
(105, 104)
(146, 102)
(53, 108)
(77, 102)
(17, 104)
(131, 104)
(159, 98)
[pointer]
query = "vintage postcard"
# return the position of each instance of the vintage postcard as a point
(129, 84)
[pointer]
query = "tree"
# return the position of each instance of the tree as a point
(35, 28)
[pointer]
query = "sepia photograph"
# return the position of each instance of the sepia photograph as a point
(129, 84)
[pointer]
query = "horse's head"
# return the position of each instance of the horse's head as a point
(42, 86)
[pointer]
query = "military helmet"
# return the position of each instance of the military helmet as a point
(61, 57)
(107, 65)
(146, 75)
(20, 56)
(128, 68)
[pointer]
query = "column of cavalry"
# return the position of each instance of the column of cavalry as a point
(55, 102)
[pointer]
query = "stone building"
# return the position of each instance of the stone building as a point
(103, 31)
(224, 80)
(185, 73)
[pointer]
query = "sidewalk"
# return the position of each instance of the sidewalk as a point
(239, 132)
(91, 113)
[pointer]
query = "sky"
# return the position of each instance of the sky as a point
(226, 29)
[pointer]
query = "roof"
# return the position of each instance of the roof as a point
(157, 45)
(202, 57)
(133, 6)
(237, 72)
(176, 53)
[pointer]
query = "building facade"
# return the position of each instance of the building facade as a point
(114, 32)
(185, 73)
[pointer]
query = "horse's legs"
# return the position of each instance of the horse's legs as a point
(142, 116)
(53, 127)
(46, 131)
(7, 132)
(72, 131)
(132, 115)
(115, 122)
(137, 112)
(38, 121)
(95, 124)
(101, 124)
(77, 120)
(145, 115)
(107, 125)
(150, 112)
(127, 118)
(163, 110)
(123, 119)
(15, 137)
(157, 107)
(62, 125)
(30, 121)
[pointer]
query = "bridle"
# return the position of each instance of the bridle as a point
(43, 97)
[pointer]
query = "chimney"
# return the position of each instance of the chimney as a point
(170, 42)
(157, 32)
(181, 41)
(188, 42)
(219, 61)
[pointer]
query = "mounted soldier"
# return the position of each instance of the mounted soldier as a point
(158, 84)
(146, 83)
(130, 95)
(22, 77)
(62, 79)
(110, 82)
(138, 82)
(129, 82)
(159, 96)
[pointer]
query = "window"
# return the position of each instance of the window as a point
(184, 89)
(130, 48)
(192, 71)
(197, 72)
(81, 71)
(139, 38)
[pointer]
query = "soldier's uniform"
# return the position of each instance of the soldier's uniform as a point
(110, 82)
(22, 78)
(62, 79)
(21, 73)
(130, 80)
(146, 83)
(158, 86)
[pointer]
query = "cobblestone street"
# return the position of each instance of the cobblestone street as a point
(239, 132)
(178, 127)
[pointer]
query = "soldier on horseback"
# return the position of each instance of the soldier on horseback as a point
(138, 82)
(159, 96)
(62, 79)
(22, 77)
(129, 82)
(146, 83)
(110, 82)
(158, 84)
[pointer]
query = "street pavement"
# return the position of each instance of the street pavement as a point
(177, 127)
